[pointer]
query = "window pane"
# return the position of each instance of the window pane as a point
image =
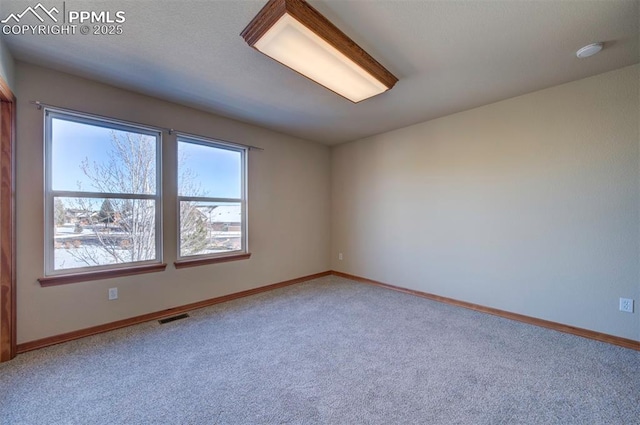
(98, 232)
(93, 158)
(210, 227)
(208, 171)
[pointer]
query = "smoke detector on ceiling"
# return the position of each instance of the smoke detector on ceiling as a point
(589, 50)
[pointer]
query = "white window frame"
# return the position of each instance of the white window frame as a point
(50, 194)
(218, 144)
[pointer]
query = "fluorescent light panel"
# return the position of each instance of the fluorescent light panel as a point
(282, 31)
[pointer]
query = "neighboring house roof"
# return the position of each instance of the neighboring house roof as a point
(222, 213)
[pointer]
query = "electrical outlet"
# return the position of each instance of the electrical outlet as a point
(626, 305)
(113, 294)
(340, 256)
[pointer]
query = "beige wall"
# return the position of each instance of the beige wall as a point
(289, 215)
(7, 66)
(529, 205)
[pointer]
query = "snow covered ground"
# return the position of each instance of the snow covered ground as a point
(72, 247)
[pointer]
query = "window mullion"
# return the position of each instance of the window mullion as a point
(101, 195)
(205, 199)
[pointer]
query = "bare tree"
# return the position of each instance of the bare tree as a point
(193, 225)
(130, 168)
(58, 212)
(193, 229)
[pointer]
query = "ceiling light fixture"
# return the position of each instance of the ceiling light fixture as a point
(299, 37)
(589, 50)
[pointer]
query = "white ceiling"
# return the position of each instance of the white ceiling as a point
(449, 56)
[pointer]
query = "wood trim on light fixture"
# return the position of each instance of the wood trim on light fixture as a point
(321, 26)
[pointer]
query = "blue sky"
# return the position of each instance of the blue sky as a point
(216, 170)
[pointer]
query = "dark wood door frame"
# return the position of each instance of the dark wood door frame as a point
(7, 223)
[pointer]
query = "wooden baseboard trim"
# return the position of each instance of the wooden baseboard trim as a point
(69, 336)
(57, 339)
(585, 333)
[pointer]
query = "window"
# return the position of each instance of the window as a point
(102, 194)
(212, 199)
(103, 199)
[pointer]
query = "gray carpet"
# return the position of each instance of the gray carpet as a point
(329, 351)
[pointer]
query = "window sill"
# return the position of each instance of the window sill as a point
(202, 261)
(64, 279)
